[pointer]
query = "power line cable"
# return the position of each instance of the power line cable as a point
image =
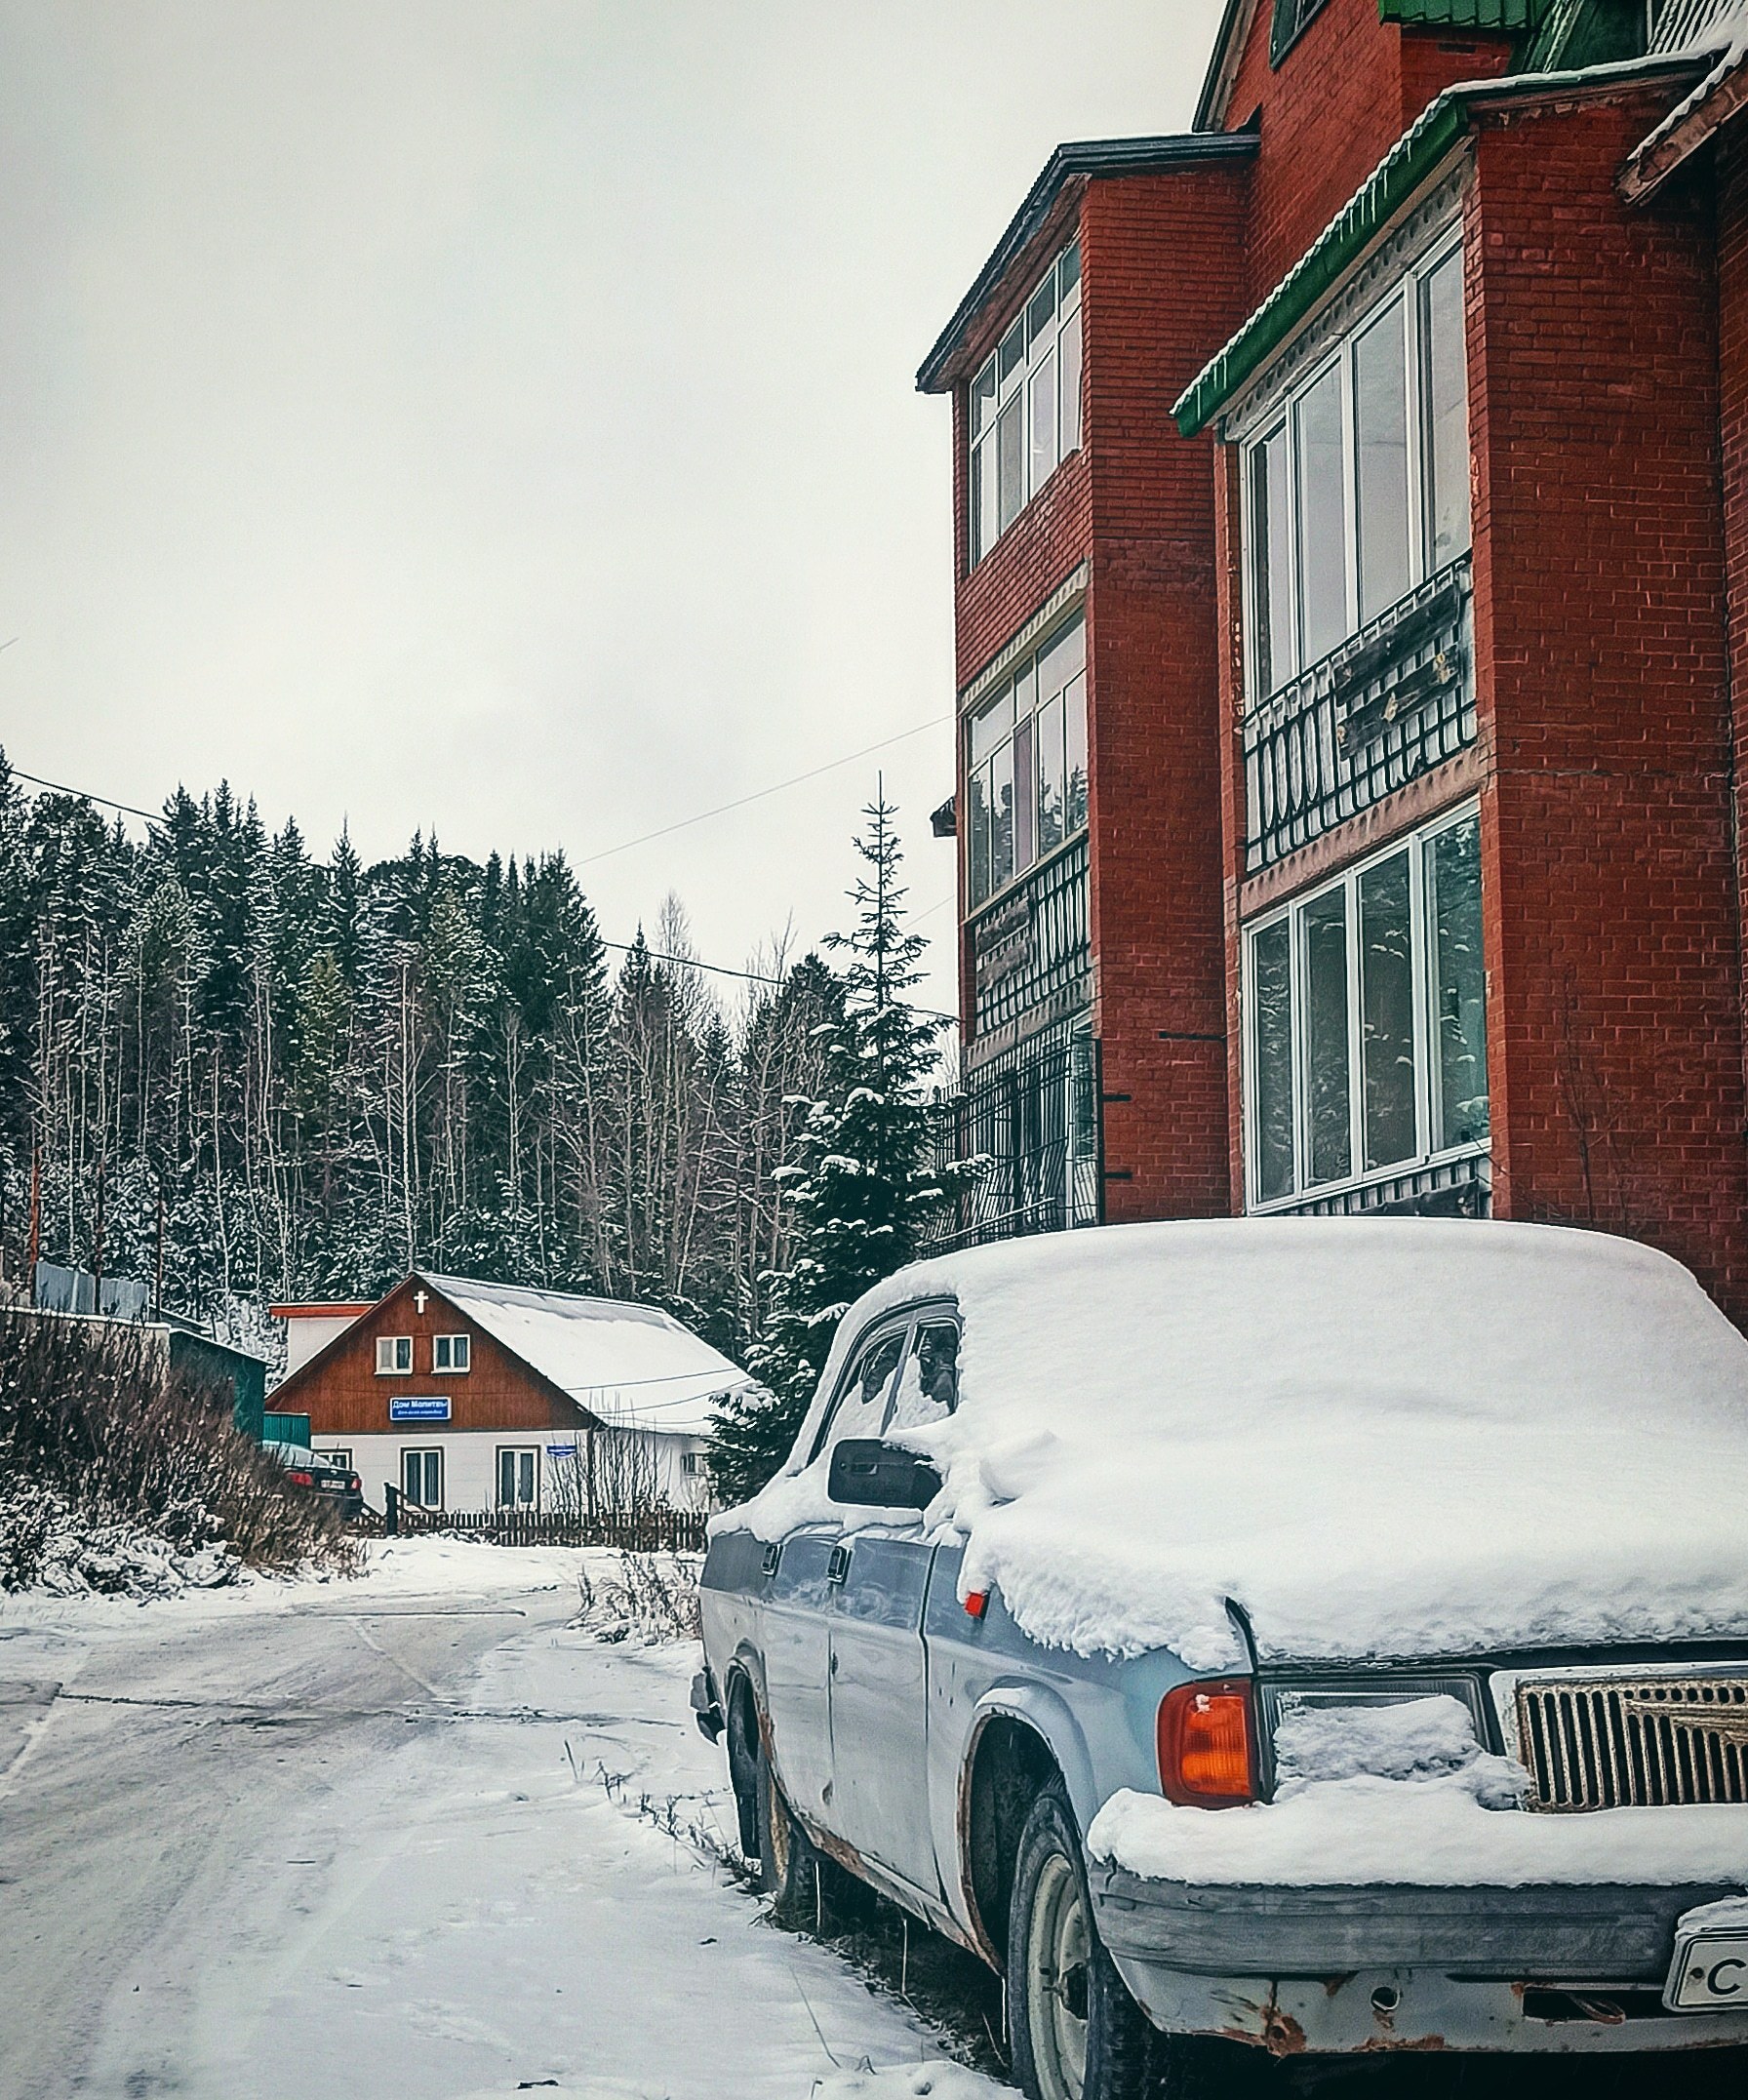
(59, 787)
(621, 948)
(759, 794)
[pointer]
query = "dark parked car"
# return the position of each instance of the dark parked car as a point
(305, 1468)
(1326, 1635)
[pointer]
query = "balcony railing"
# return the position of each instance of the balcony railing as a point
(1390, 704)
(1029, 945)
(1030, 1120)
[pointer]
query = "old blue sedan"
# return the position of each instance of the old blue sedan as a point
(1268, 1632)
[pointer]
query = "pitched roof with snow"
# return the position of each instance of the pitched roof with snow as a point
(1712, 29)
(630, 1364)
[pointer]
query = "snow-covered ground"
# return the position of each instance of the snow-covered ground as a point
(415, 1835)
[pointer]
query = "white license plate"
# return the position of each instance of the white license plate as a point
(1709, 1973)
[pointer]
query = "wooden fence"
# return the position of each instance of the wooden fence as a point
(658, 1531)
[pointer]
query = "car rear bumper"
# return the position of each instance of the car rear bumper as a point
(1555, 1969)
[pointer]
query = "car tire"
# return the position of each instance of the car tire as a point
(743, 1730)
(1075, 2032)
(789, 1867)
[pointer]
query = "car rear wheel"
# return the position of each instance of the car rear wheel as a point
(788, 1865)
(1076, 2033)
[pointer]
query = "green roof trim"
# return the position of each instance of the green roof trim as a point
(1416, 156)
(1507, 16)
(1412, 158)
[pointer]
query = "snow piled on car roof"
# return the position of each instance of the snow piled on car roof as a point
(1378, 1438)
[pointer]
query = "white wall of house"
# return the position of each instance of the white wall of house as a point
(641, 1464)
(309, 1333)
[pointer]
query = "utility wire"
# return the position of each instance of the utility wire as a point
(621, 948)
(152, 816)
(759, 794)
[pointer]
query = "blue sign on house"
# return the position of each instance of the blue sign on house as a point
(419, 1410)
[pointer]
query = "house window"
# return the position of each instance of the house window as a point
(518, 1479)
(689, 1464)
(1289, 18)
(342, 1459)
(1365, 1020)
(1025, 404)
(450, 1352)
(1026, 763)
(421, 1478)
(1357, 487)
(394, 1356)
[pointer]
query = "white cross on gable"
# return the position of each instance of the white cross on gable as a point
(418, 1302)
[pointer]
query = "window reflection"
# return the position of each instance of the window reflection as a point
(1334, 531)
(1026, 764)
(1365, 1019)
(1023, 408)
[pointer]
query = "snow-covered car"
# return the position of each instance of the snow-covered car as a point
(1327, 1635)
(305, 1468)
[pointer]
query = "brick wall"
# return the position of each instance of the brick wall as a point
(1732, 236)
(1615, 994)
(1338, 101)
(1163, 285)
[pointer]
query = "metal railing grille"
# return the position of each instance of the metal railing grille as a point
(1029, 948)
(1030, 1121)
(1635, 1742)
(1388, 705)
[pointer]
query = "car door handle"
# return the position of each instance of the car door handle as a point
(839, 1565)
(773, 1553)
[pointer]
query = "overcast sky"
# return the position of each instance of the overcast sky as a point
(498, 418)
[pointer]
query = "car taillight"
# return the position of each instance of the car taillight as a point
(352, 1483)
(1208, 1744)
(301, 1479)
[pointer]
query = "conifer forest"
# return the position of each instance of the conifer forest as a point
(241, 1071)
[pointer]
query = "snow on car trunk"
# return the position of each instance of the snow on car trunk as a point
(1378, 1438)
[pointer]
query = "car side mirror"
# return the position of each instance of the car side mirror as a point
(872, 1475)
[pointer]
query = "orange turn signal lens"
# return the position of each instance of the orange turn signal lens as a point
(1208, 1744)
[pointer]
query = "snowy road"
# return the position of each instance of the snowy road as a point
(354, 1841)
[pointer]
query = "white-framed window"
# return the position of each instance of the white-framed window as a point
(518, 1477)
(1024, 406)
(340, 1458)
(421, 1478)
(1356, 484)
(1026, 763)
(452, 1352)
(394, 1356)
(1364, 1005)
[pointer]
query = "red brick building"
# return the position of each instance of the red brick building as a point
(1352, 578)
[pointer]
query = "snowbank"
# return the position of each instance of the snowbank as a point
(67, 1555)
(445, 1571)
(1381, 1438)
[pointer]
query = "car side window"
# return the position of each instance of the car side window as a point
(928, 1390)
(860, 1409)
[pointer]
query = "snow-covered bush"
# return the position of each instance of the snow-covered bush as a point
(105, 1454)
(647, 1599)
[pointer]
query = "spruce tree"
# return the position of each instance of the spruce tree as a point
(864, 1189)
